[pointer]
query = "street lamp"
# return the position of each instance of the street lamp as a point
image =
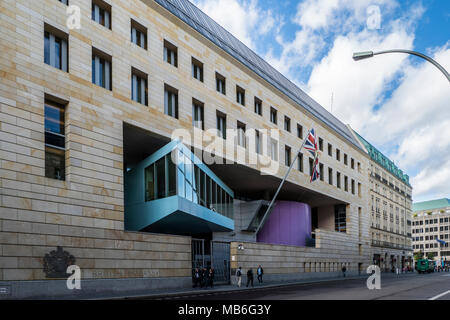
(369, 54)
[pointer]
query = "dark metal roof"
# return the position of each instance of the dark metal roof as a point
(202, 23)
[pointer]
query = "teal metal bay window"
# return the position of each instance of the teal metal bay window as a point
(172, 191)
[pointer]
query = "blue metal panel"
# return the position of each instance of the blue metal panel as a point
(211, 30)
(141, 216)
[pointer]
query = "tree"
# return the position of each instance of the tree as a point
(418, 255)
(431, 255)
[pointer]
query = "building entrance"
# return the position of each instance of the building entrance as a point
(215, 254)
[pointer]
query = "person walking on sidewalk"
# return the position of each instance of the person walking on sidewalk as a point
(211, 278)
(250, 276)
(344, 269)
(196, 278)
(260, 273)
(239, 276)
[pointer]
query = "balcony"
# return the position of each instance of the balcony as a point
(173, 192)
(390, 245)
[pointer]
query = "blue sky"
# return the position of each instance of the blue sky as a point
(401, 104)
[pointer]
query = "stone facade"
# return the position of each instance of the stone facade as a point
(85, 213)
(431, 221)
(390, 205)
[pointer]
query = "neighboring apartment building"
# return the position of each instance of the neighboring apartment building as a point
(390, 206)
(87, 171)
(431, 222)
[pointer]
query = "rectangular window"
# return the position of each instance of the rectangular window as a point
(340, 218)
(353, 186)
(338, 155)
(170, 53)
(101, 69)
(220, 83)
(330, 176)
(352, 163)
(240, 95)
(55, 48)
(101, 13)
(222, 124)
(170, 101)
(66, 2)
(338, 180)
(197, 70)
(345, 159)
(287, 156)
(139, 89)
(320, 144)
(241, 134)
(321, 172)
(287, 124)
(299, 131)
(300, 162)
(198, 114)
(273, 115)
(55, 147)
(258, 106)
(330, 150)
(274, 149)
(258, 141)
(359, 189)
(311, 166)
(138, 34)
(345, 183)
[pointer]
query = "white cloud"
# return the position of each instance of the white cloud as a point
(432, 183)
(411, 125)
(244, 19)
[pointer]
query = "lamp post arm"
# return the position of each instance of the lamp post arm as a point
(437, 65)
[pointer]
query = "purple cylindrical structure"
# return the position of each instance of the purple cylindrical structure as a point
(288, 224)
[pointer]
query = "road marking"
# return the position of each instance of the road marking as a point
(440, 295)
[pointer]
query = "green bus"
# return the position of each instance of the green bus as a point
(425, 265)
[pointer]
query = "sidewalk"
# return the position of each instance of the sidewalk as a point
(192, 292)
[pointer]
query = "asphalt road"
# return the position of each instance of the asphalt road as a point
(434, 286)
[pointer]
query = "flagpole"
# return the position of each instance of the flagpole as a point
(281, 184)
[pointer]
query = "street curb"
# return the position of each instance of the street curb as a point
(222, 291)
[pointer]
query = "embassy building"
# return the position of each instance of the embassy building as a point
(149, 141)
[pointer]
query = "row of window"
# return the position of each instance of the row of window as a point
(430, 245)
(430, 221)
(101, 75)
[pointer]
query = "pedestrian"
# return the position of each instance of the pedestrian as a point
(250, 277)
(203, 277)
(239, 276)
(196, 278)
(260, 273)
(210, 278)
(344, 269)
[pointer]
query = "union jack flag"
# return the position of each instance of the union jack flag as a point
(311, 146)
(311, 143)
(315, 172)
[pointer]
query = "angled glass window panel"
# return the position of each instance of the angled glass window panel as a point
(213, 195)
(208, 192)
(202, 188)
(161, 178)
(189, 169)
(150, 183)
(172, 177)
